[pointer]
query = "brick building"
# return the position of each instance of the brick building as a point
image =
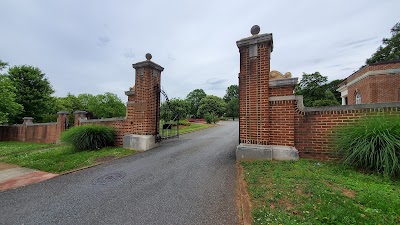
(375, 83)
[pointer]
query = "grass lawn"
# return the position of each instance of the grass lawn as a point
(56, 158)
(193, 127)
(11, 147)
(312, 192)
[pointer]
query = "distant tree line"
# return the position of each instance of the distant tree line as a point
(25, 91)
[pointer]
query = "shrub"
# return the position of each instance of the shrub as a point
(89, 137)
(372, 143)
(211, 118)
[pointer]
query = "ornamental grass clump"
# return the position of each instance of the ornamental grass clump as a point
(371, 143)
(89, 137)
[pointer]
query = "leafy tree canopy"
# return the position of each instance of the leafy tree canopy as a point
(231, 93)
(193, 99)
(102, 106)
(32, 91)
(8, 106)
(175, 105)
(317, 91)
(232, 101)
(390, 48)
(211, 104)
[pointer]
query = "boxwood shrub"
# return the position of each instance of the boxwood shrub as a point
(90, 137)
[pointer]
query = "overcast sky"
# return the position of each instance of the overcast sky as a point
(90, 46)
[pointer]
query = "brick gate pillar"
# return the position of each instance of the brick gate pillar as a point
(254, 124)
(142, 119)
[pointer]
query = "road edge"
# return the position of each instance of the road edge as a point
(243, 198)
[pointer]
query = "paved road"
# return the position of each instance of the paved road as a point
(187, 181)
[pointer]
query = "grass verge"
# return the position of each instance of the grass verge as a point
(194, 127)
(310, 192)
(12, 147)
(61, 158)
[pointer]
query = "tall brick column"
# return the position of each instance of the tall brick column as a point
(142, 119)
(254, 125)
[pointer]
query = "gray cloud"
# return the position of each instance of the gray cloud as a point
(194, 41)
(103, 40)
(360, 43)
(129, 54)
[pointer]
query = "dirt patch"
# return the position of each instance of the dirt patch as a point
(105, 158)
(345, 192)
(243, 198)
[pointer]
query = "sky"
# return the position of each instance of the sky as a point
(90, 46)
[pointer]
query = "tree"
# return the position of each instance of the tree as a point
(231, 93)
(232, 108)
(175, 105)
(211, 104)
(390, 49)
(193, 99)
(8, 106)
(103, 105)
(314, 87)
(32, 91)
(231, 99)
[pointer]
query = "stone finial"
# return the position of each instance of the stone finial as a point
(149, 56)
(255, 30)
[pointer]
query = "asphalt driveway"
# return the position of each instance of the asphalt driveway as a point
(190, 180)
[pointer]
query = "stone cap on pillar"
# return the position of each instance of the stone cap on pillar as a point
(148, 63)
(256, 38)
(28, 120)
(80, 112)
(63, 113)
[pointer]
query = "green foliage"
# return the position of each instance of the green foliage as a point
(175, 105)
(232, 92)
(372, 143)
(390, 49)
(211, 118)
(91, 137)
(32, 91)
(8, 106)
(3, 65)
(231, 99)
(193, 99)
(102, 106)
(312, 192)
(315, 88)
(329, 100)
(212, 105)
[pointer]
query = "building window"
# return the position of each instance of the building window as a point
(358, 98)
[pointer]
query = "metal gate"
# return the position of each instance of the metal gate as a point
(167, 118)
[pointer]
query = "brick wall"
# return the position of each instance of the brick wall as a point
(375, 89)
(31, 132)
(119, 124)
(314, 126)
(310, 129)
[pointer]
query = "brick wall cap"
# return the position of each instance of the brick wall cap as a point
(80, 112)
(255, 39)
(283, 82)
(63, 112)
(104, 120)
(148, 63)
(351, 107)
(27, 118)
(129, 93)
